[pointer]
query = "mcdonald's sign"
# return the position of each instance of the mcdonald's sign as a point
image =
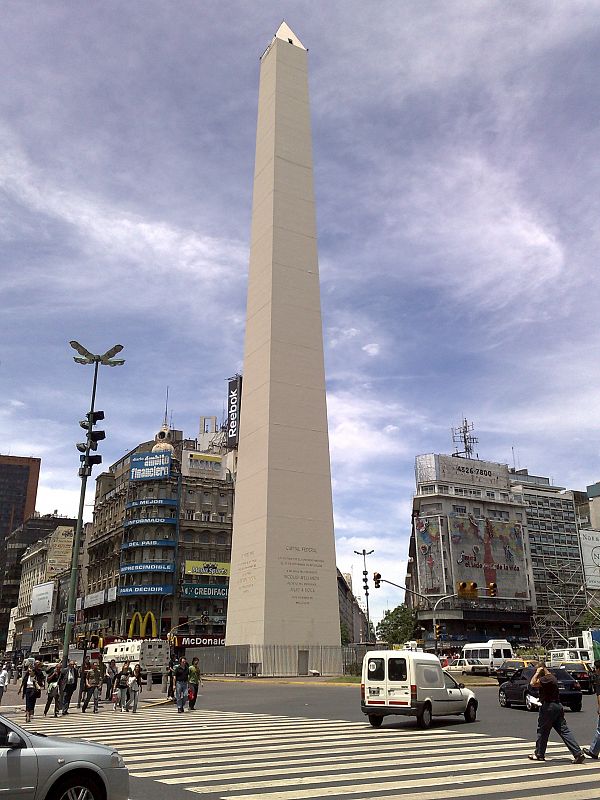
(149, 618)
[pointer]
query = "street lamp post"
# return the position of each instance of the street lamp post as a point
(85, 357)
(364, 553)
(435, 605)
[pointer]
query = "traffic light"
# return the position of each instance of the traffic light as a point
(438, 631)
(493, 589)
(91, 442)
(461, 589)
(377, 579)
(467, 589)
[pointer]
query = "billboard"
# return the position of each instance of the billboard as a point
(430, 558)
(590, 554)
(452, 469)
(201, 465)
(234, 404)
(149, 466)
(204, 590)
(198, 641)
(154, 566)
(94, 599)
(139, 590)
(41, 598)
(489, 551)
(207, 568)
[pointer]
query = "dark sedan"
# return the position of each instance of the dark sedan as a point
(518, 692)
(582, 674)
(508, 668)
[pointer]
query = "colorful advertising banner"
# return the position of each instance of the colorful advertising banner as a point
(590, 553)
(488, 551)
(149, 466)
(135, 590)
(155, 566)
(204, 590)
(234, 401)
(207, 568)
(430, 560)
(201, 465)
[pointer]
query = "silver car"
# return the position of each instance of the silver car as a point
(38, 767)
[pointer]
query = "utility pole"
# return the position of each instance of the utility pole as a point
(364, 553)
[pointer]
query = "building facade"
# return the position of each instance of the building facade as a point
(552, 531)
(468, 526)
(353, 620)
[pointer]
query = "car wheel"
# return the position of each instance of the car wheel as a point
(471, 712)
(575, 706)
(77, 787)
(502, 699)
(528, 704)
(375, 720)
(424, 718)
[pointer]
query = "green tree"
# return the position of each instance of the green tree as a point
(397, 626)
(345, 634)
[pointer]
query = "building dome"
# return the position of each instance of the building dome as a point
(163, 440)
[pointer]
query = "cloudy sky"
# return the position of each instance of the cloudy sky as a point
(456, 170)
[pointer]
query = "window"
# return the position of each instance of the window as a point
(491, 495)
(397, 669)
(429, 676)
(376, 668)
(459, 509)
(506, 653)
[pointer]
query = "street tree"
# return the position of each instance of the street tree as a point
(397, 626)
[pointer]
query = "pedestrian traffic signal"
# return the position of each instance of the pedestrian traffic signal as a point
(377, 579)
(493, 589)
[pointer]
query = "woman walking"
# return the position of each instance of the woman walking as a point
(53, 692)
(31, 689)
(120, 686)
(194, 682)
(135, 687)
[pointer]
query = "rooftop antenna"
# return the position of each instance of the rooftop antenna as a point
(462, 435)
(514, 460)
(166, 408)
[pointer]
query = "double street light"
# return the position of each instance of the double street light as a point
(87, 461)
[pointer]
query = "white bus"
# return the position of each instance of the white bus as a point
(492, 653)
(151, 654)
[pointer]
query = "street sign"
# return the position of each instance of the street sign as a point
(71, 618)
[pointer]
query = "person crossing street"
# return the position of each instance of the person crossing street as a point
(551, 716)
(93, 683)
(182, 673)
(594, 749)
(67, 683)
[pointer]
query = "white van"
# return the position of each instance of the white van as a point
(412, 684)
(151, 654)
(492, 653)
(557, 657)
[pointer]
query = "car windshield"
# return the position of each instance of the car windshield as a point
(512, 664)
(574, 665)
(473, 661)
(562, 674)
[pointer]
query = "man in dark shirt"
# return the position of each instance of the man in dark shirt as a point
(551, 715)
(593, 750)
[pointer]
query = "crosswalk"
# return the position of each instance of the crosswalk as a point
(247, 756)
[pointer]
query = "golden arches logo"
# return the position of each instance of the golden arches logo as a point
(149, 618)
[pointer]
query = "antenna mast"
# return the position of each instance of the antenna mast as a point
(462, 436)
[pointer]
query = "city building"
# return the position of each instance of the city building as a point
(560, 587)
(353, 619)
(159, 551)
(41, 563)
(34, 529)
(18, 490)
(468, 527)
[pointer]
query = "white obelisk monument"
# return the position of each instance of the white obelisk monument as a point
(283, 586)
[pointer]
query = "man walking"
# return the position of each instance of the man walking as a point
(551, 715)
(93, 681)
(111, 674)
(182, 672)
(3, 680)
(594, 749)
(67, 684)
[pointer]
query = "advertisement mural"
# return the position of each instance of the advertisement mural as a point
(489, 551)
(149, 466)
(207, 568)
(430, 559)
(234, 402)
(204, 590)
(41, 598)
(590, 553)
(201, 465)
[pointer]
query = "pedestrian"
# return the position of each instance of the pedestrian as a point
(31, 688)
(194, 681)
(93, 683)
(4, 679)
(111, 674)
(594, 749)
(120, 686)
(171, 681)
(182, 672)
(551, 715)
(53, 690)
(67, 683)
(135, 687)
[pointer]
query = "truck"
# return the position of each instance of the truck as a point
(151, 654)
(588, 640)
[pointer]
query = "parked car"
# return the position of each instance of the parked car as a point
(468, 666)
(582, 673)
(38, 767)
(412, 684)
(517, 690)
(508, 668)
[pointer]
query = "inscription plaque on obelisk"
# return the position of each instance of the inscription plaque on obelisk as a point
(283, 586)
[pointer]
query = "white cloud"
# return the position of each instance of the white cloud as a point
(371, 349)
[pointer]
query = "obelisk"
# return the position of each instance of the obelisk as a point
(283, 586)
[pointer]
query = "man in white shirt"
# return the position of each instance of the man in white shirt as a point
(4, 678)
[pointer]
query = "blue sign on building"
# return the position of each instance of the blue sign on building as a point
(204, 590)
(149, 466)
(153, 501)
(150, 521)
(155, 566)
(129, 590)
(149, 543)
